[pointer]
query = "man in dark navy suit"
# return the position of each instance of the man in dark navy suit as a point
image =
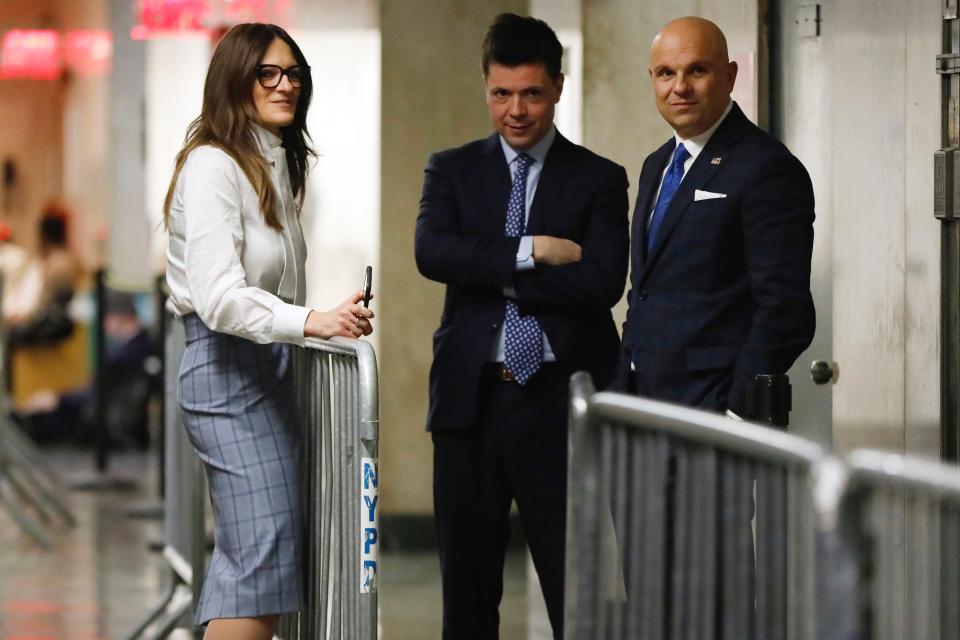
(722, 239)
(528, 232)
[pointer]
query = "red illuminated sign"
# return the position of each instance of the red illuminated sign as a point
(88, 52)
(162, 17)
(30, 53)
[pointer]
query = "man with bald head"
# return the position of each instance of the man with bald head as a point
(721, 240)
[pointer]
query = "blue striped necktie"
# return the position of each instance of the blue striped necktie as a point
(523, 337)
(671, 182)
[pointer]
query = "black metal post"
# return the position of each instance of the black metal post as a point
(160, 298)
(770, 399)
(100, 383)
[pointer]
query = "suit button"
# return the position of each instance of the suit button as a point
(642, 296)
(494, 326)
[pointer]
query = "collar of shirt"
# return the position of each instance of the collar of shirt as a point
(538, 151)
(696, 143)
(270, 144)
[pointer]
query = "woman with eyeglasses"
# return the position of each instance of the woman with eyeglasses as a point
(235, 268)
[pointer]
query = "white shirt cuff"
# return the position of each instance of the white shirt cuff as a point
(525, 254)
(288, 321)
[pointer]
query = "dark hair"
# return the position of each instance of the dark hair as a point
(514, 40)
(53, 232)
(228, 113)
(53, 224)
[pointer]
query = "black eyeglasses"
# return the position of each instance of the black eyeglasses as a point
(270, 75)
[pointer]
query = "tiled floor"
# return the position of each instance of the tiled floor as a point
(100, 577)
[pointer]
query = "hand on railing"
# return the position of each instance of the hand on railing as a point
(350, 320)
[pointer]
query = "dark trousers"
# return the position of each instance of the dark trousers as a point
(515, 450)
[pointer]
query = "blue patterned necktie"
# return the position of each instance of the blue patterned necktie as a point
(671, 182)
(523, 337)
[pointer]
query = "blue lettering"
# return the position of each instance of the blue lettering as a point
(369, 572)
(369, 476)
(371, 539)
(371, 506)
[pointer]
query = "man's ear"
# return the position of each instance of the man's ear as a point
(732, 72)
(559, 82)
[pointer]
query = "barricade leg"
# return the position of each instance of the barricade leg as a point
(161, 608)
(42, 484)
(30, 527)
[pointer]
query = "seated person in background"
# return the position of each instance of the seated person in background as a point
(14, 261)
(126, 378)
(36, 305)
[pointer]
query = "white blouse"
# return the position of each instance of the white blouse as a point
(223, 261)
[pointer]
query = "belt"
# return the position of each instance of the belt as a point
(498, 371)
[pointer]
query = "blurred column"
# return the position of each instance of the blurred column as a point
(174, 67)
(341, 212)
(86, 121)
(564, 16)
(432, 99)
(129, 234)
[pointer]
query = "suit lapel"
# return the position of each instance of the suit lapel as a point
(496, 185)
(554, 175)
(711, 159)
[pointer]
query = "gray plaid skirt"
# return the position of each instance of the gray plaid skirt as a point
(239, 409)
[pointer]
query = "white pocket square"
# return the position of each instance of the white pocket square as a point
(706, 195)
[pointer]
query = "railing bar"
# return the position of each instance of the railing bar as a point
(678, 562)
(764, 561)
(691, 603)
(950, 598)
(706, 428)
(709, 546)
(728, 479)
(633, 546)
(343, 539)
(880, 468)
(606, 478)
(325, 611)
(656, 559)
(620, 511)
(352, 582)
(743, 492)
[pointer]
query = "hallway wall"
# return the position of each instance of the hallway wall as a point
(432, 99)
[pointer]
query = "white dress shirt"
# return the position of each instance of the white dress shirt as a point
(239, 275)
(538, 155)
(694, 145)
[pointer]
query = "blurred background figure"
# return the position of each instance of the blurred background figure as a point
(39, 294)
(129, 375)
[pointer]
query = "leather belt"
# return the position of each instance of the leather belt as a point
(500, 372)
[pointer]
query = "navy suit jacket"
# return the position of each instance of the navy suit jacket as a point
(460, 242)
(724, 294)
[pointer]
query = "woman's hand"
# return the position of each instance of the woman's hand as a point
(350, 320)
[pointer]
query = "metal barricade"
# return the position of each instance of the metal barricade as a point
(339, 406)
(184, 505)
(682, 486)
(27, 481)
(898, 529)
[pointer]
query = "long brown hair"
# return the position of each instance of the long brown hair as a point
(228, 114)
